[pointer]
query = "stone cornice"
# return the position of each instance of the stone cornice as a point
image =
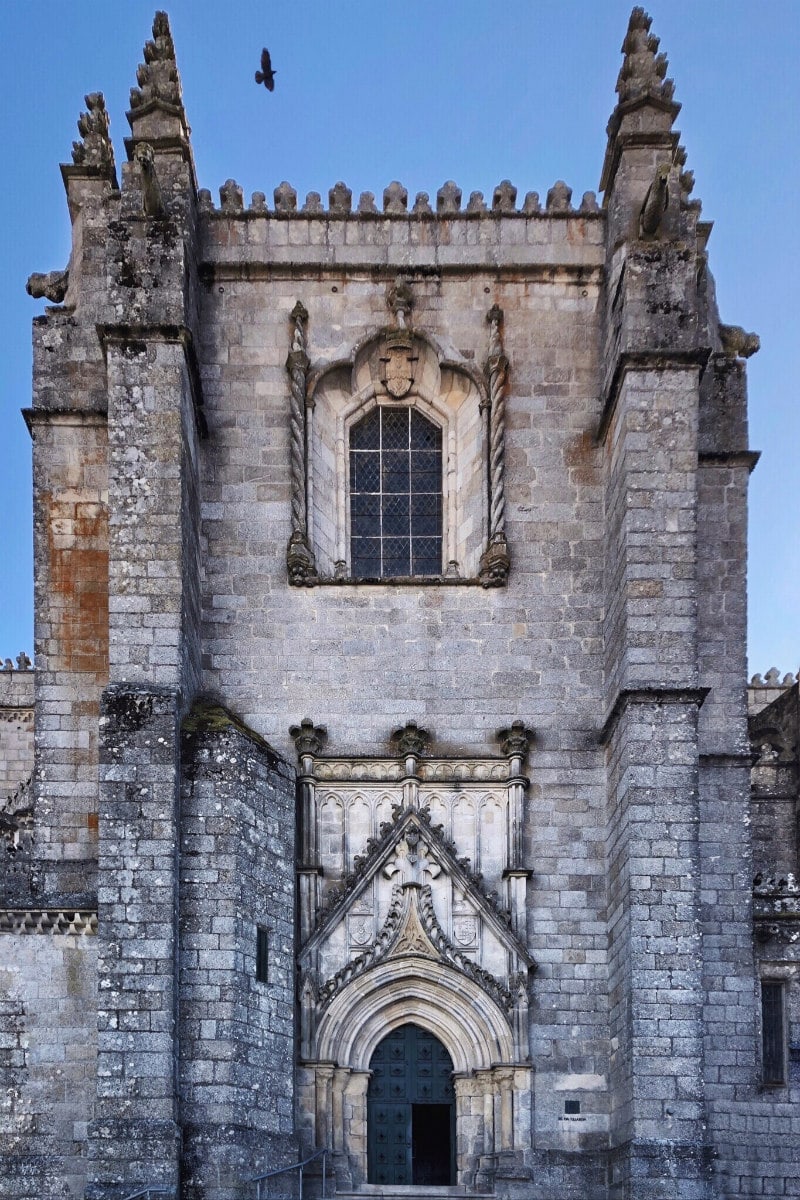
(729, 458)
(648, 695)
(168, 334)
(63, 416)
(386, 271)
(645, 360)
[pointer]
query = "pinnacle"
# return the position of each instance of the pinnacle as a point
(643, 72)
(94, 152)
(157, 77)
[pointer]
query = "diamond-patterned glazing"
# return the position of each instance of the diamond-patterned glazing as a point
(395, 494)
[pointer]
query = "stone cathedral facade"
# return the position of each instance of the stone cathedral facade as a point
(394, 790)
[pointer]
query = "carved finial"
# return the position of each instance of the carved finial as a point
(515, 741)
(313, 204)
(299, 315)
(285, 198)
(157, 76)
(736, 343)
(8, 665)
(340, 199)
(23, 662)
(504, 199)
(410, 740)
(448, 199)
(308, 737)
(422, 205)
(258, 202)
(476, 203)
(395, 198)
(205, 202)
(559, 198)
(643, 72)
(494, 319)
(95, 152)
(152, 199)
(531, 204)
(51, 286)
(231, 197)
(589, 203)
(642, 84)
(399, 301)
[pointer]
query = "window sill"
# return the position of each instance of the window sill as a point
(400, 581)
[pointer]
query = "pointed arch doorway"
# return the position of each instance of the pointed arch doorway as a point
(411, 1113)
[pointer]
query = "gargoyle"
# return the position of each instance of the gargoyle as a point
(656, 203)
(50, 286)
(152, 199)
(736, 343)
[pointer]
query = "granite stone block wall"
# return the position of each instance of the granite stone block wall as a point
(48, 1048)
(237, 1031)
(175, 653)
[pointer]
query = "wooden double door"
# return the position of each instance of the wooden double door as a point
(411, 1110)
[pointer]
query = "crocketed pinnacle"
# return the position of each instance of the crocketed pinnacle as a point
(646, 107)
(158, 79)
(643, 72)
(95, 153)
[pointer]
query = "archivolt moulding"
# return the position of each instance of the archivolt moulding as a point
(474, 1029)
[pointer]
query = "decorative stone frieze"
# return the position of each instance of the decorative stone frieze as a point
(49, 921)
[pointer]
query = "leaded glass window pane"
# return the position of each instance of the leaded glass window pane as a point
(772, 1031)
(395, 494)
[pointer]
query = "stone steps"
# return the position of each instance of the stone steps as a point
(422, 1191)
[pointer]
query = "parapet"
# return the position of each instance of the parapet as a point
(395, 202)
(762, 691)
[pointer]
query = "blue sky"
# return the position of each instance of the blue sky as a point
(423, 91)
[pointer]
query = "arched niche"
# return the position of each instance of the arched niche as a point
(401, 369)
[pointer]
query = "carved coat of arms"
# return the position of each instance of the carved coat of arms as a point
(398, 362)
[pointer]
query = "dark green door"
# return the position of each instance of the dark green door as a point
(411, 1110)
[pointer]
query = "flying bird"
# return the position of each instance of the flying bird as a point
(266, 75)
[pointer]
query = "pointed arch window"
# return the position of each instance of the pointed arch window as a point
(395, 494)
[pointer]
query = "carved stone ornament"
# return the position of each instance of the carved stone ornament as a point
(516, 740)
(300, 563)
(52, 286)
(495, 562)
(308, 737)
(465, 930)
(410, 739)
(398, 363)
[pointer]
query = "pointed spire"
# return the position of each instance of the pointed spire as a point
(643, 72)
(157, 76)
(156, 105)
(646, 107)
(94, 152)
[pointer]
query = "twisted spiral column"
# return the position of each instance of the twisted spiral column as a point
(497, 370)
(297, 366)
(495, 562)
(299, 555)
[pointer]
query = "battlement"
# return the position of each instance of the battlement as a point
(762, 691)
(395, 203)
(238, 241)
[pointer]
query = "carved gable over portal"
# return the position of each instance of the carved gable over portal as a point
(412, 905)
